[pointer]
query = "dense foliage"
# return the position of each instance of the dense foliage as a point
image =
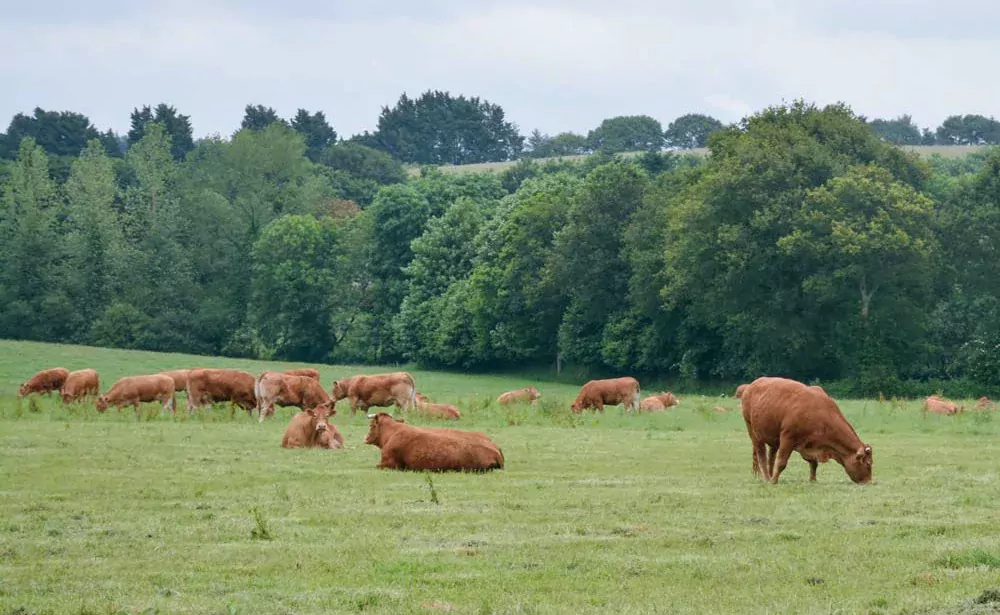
(804, 245)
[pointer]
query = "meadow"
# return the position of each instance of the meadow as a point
(609, 513)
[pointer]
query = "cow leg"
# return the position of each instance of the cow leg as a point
(168, 404)
(784, 451)
(600, 406)
(772, 453)
(388, 462)
(813, 464)
(138, 411)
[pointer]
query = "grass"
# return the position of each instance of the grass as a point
(593, 514)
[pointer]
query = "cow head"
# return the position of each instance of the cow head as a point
(375, 426)
(318, 417)
(533, 391)
(669, 400)
(22, 390)
(101, 403)
(340, 389)
(859, 465)
(576, 407)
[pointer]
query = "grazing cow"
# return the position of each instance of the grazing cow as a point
(406, 447)
(377, 390)
(659, 402)
(180, 377)
(937, 405)
(439, 411)
(80, 385)
(208, 386)
(311, 428)
(133, 390)
(308, 372)
(45, 381)
(613, 391)
(787, 416)
(528, 394)
(303, 392)
(985, 403)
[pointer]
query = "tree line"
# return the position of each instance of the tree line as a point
(804, 246)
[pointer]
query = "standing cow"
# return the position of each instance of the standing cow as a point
(613, 391)
(311, 428)
(80, 385)
(785, 416)
(302, 392)
(208, 386)
(134, 390)
(379, 390)
(406, 447)
(45, 382)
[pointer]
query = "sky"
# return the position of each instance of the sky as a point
(554, 65)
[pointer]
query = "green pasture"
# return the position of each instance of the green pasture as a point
(593, 514)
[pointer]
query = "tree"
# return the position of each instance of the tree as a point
(899, 131)
(259, 117)
(563, 144)
(627, 134)
(58, 133)
(316, 132)
(691, 131)
(358, 171)
(968, 130)
(437, 128)
(177, 126)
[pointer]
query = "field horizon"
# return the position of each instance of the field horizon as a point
(658, 512)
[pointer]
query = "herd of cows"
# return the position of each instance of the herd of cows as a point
(782, 416)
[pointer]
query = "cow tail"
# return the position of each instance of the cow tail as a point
(413, 395)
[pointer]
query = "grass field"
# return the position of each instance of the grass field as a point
(593, 514)
(946, 151)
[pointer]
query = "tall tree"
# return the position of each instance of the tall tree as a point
(968, 130)
(316, 132)
(898, 131)
(629, 133)
(58, 133)
(176, 125)
(691, 130)
(259, 117)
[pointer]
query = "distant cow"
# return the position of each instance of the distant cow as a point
(303, 392)
(378, 390)
(937, 405)
(311, 428)
(439, 411)
(787, 416)
(134, 390)
(659, 402)
(528, 394)
(740, 389)
(612, 392)
(308, 372)
(80, 385)
(406, 447)
(985, 403)
(45, 381)
(208, 386)
(180, 377)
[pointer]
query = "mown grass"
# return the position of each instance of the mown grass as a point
(593, 514)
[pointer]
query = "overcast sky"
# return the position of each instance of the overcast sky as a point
(555, 65)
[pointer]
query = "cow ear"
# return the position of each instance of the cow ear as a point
(400, 420)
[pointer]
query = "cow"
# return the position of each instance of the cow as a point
(207, 386)
(740, 389)
(406, 447)
(303, 392)
(45, 381)
(420, 398)
(133, 390)
(787, 416)
(985, 404)
(659, 402)
(377, 390)
(528, 394)
(80, 385)
(311, 428)
(613, 391)
(180, 377)
(308, 372)
(439, 411)
(937, 405)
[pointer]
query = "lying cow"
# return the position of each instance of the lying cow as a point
(658, 403)
(937, 405)
(405, 447)
(44, 382)
(308, 372)
(302, 392)
(209, 386)
(420, 398)
(379, 390)
(528, 394)
(311, 428)
(612, 392)
(134, 390)
(985, 404)
(787, 416)
(80, 385)
(180, 377)
(439, 411)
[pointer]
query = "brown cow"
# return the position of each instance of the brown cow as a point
(420, 398)
(180, 377)
(740, 389)
(303, 392)
(378, 390)
(406, 447)
(308, 372)
(207, 386)
(80, 385)
(439, 411)
(528, 394)
(612, 391)
(985, 404)
(937, 405)
(311, 428)
(787, 416)
(659, 402)
(133, 390)
(45, 381)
